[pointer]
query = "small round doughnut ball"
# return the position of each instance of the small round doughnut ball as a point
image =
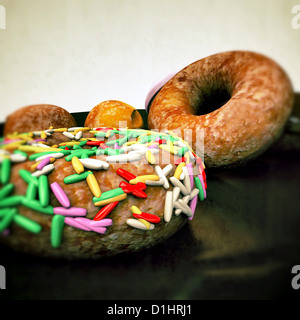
(38, 117)
(113, 113)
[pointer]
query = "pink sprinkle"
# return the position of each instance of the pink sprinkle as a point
(36, 140)
(71, 212)
(193, 205)
(116, 146)
(9, 141)
(87, 224)
(43, 163)
(190, 171)
(101, 223)
(203, 185)
(71, 222)
(99, 229)
(153, 146)
(60, 195)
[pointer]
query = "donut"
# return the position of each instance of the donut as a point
(234, 103)
(114, 113)
(38, 117)
(87, 193)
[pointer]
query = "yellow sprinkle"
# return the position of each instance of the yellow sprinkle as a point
(93, 139)
(146, 223)
(33, 167)
(37, 149)
(187, 157)
(43, 135)
(61, 130)
(150, 143)
(107, 201)
(150, 157)
(82, 129)
(54, 146)
(135, 209)
(129, 143)
(73, 143)
(107, 133)
(178, 170)
(30, 134)
(77, 165)
(170, 144)
(83, 139)
(94, 131)
(150, 177)
(169, 149)
(24, 137)
(13, 145)
(51, 127)
(93, 185)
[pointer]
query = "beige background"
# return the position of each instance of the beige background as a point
(77, 53)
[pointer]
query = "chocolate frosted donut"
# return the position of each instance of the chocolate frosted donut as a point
(238, 101)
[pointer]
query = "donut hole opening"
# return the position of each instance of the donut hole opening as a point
(211, 99)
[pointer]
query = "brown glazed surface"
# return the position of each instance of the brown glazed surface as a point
(78, 244)
(38, 117)
(261, 99)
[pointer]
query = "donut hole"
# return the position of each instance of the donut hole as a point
(211, 97)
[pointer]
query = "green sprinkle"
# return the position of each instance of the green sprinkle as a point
(31, 191)
(21, 153)
(125, 139)
(12, 201)
(199, 187)
(181, 152)
(101, 134)
(36, 206)
(4, 212)
(113, 152)
(112, 142)
(43, 191)
(5, 171)
(74, 178)
(79, 153)
(109, 194)
(27, 177)
(5, 191)
(82, 143)
(76, 147)
(27, 223)
(8, 219)
(100, 151)
(57, 227)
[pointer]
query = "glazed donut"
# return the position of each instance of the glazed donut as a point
(38, 117)
(114, 113)
(101, 192)
(239, 101)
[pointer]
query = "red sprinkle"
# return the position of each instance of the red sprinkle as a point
(147, 216)
(66, 148)
(139, 194)
(104, 129)
(94, 143)
(135, 190)
(161, 141)
(103, 146)
(178, 161)
(106, 210)
(125, 174)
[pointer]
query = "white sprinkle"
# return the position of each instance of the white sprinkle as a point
(179, 206)
(124, 157)
(186, 179)
(56, 155)
(154, 183)
(176, 193)
(78, 135)
(186, 209)
(94, 164)
(46, 170)
(177, 183)
(182, 175)
(194, 193)
(49, 132)
(4, 152)
(69, 135)
(135, 223)
(74, 128)
(126, 148)
(162, 176)
(167, 169)
(16, 157)
(39, 145)
(168, 206)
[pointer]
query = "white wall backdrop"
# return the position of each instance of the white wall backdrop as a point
(77, 53)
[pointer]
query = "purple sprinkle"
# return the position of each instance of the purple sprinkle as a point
(71, 222)
(43, 163)
(36, 140)
(60, 195)
(71, 212)
(116, 146)
(153, 146)
(101, 223)
(6, 232)
(193, 205)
